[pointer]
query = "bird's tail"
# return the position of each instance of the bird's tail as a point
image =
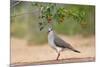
(76, 51)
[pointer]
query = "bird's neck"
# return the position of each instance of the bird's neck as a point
(51, 35)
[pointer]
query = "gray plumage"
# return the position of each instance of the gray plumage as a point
(61, 43)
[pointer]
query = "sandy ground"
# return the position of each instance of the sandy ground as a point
(21, 52)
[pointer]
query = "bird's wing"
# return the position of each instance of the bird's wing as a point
(61, 43)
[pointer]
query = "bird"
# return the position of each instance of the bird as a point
(58, 44)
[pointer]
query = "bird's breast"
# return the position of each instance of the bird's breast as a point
(52, 43)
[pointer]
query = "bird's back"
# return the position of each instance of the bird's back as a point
(61, 43)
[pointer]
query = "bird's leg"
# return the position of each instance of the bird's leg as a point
(58, 56)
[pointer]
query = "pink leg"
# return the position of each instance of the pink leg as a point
(58, 56)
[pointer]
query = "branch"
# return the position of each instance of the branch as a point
(68, 60)
(21, 14)
(14, 3)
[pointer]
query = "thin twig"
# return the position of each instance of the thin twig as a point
(68, 60)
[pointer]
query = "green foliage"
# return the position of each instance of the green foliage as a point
(52, 12)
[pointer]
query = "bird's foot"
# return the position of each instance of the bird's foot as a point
(58, 56)
(57, 59)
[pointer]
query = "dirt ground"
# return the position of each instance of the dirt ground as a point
(21, 52)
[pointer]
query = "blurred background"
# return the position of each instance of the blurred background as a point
(24, 22)
(78, 28)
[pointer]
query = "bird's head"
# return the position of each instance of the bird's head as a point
(49, 30)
